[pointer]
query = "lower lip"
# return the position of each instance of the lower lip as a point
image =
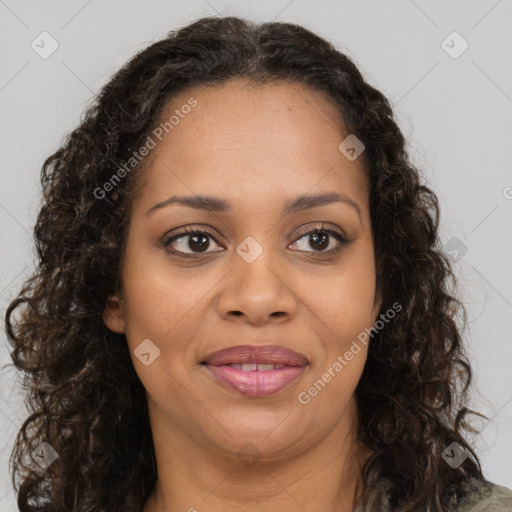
(256, 383)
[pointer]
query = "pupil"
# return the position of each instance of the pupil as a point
(323, 243)
(202, 246)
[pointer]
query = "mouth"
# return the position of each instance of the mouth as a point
(256, 371)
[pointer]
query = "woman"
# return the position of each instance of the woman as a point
(241, 302)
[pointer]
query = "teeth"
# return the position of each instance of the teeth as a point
(251, 367)
(264, 367)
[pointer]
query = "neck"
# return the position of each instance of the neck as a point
(191, 478)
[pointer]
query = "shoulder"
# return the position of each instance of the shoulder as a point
(485, 496)
(471, 495)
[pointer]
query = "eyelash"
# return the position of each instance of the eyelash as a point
(166, 241)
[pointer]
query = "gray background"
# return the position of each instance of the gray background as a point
(455, 113)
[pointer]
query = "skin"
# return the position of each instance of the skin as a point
(256, 147)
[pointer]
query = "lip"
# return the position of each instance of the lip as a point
(256, 383)
(259, 354)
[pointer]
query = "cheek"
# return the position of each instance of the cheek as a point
(162, 298)
(165, 307)
(351, 309)
(344, 299)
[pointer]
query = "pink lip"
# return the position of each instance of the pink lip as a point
(256, 383)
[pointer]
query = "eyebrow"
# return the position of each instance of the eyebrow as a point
(299, 203)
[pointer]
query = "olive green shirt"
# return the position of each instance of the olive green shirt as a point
(487, 497)
(482, 496)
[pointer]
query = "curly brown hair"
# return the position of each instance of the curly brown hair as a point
(84, 396)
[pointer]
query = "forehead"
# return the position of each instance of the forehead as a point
(281, 115)
(253, 141)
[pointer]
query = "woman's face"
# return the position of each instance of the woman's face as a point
(254, 275)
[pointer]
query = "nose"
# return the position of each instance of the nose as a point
(257, 292)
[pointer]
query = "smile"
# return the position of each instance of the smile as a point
(256, 380)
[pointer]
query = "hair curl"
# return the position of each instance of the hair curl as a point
(83, 394)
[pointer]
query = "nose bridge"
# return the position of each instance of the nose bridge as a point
(254, 287)
(255, 262)
(253, 267)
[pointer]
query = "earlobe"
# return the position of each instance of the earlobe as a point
(377, 301)
(113, 315)
(377, 304)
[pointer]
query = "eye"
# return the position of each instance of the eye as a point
(191, 242)
(321, 239)
(198, 240)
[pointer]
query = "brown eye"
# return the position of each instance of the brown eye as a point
(189, 242)
(320, 239)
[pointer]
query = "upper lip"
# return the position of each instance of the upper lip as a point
(261, 354)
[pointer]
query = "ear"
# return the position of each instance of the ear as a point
(377, 302)
(113, 315)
